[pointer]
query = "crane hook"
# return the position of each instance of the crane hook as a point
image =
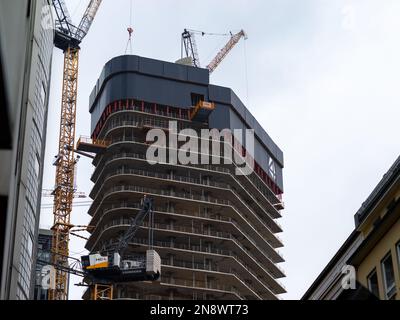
(130, 31)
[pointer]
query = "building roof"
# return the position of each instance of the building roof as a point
(360, 216)
(156, 69)
(376, 194)
(381, 227)
(345, 246)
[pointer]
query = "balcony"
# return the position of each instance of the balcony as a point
(111, 229)
(140, 123)
(240, 229)
(112, 165)
(271, 201)
(237, 198)
(202, 285)
(167, 194)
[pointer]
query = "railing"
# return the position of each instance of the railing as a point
(183, 116)
(272, 198)
(190, 196)
(201, 285)
(182, 179)
(191, 229)
(166, 227)
(208, 249)
(153, 297)
(207, 167)
(212, 250)
(177, 178)
(96, 142)
(165, 209)
(164, 176)
(208, 267)
(139, 156)
(269, 196)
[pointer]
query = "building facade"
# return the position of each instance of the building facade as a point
(44, 257)
(26, 48)
(377, 259)
(372, 250)
(215, 230)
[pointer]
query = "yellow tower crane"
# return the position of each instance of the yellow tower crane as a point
(67, 38)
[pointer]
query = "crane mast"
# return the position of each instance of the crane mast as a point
(67, 38)
(64, 192)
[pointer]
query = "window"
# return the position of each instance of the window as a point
(36, 165)
(272, 169)
(398, 255)
(42, 94)
(29, 247)
(196, 98)
(388, 276)
(373, 283)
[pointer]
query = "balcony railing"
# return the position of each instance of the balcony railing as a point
(199, 232)
(212, 250)
(189, 229)
(177, 194)
(196, 284)
(255, 179)
(185, 179)
(207, 267)
(141, 120)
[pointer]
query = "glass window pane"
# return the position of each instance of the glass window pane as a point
(36, 166)
(373, 283)
(42, 94)
(398, 254)
(388, 275)
(29, 246)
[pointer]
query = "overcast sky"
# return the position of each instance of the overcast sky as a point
(323, 79)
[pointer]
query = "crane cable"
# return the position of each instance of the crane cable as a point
(203, 33)
(246, 72)
(130, 29)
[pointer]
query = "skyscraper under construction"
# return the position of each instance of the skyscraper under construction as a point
(214, 229)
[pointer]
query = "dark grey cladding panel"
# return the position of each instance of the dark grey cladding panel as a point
(122, 64)
(130, 85)
(150, 67)
(197, 75)
(227, 96)
(219, 94)
(220, 117)
(176, 71)
(238, 105)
